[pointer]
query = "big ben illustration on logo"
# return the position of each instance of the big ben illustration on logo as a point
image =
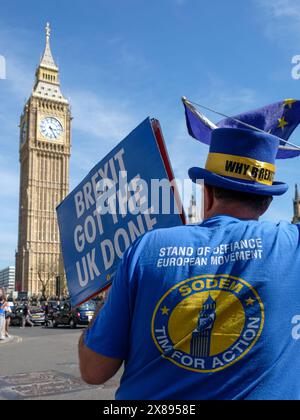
(201, 337)
(45, 144)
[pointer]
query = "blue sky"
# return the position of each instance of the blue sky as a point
(123, 60)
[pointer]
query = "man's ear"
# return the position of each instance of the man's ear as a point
(208, 200)
(267, 205)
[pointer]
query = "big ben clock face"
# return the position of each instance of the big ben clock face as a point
(51, 128)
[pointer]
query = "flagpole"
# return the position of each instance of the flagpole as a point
(185, 100)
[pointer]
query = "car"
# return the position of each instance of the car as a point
(16, 317)
(37, 315)
(65, 315)
(53, 305)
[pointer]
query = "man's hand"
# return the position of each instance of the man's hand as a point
(96, 369)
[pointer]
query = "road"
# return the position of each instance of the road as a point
(44, 365)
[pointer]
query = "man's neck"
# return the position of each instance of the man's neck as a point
(245, 214)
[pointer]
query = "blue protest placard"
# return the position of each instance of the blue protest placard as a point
(127, 194)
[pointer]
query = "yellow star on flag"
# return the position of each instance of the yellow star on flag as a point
(250, 302)
(165, 310)
(289, 102)
(282, 123)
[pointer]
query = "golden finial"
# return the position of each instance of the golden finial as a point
(48, 31)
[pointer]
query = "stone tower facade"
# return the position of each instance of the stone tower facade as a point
(193, 212)
(45, 145)
(296, 218)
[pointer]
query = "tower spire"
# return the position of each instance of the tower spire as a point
(297, 198)
(47, 84)
(47, 58)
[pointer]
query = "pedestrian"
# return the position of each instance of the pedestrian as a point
(46, 311)
(26, 316)
(208, 311)
(3, 308)
(8, 313)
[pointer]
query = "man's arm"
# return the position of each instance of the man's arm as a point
(106, 343)
(96, 369)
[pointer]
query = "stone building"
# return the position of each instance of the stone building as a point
(193, 212)
(45, 145)
(296, 218)
(7, 279)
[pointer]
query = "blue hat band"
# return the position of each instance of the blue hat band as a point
(241, 167)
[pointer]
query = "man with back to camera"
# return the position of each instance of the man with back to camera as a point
(205, 311)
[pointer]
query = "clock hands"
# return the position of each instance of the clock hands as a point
(54, 134)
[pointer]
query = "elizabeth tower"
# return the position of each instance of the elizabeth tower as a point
(45, 145)
(296, 218)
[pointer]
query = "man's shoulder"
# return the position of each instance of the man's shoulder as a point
(194, 232)
(186, 231)
(282, 225)
(171, 232)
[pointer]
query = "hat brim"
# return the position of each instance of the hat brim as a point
(215, 180)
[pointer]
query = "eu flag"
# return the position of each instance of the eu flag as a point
(279, 119)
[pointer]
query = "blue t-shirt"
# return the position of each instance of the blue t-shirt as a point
(210, 311)
(2, 310)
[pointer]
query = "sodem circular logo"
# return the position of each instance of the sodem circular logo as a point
(207, 323)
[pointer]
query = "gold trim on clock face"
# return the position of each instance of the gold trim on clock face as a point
(51, 128)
